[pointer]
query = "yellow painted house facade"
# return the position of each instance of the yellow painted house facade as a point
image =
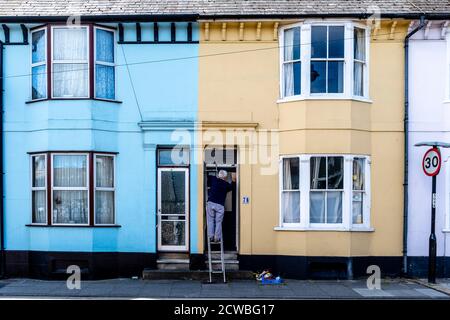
(314, 111)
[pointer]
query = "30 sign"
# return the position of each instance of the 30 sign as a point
(431, 162)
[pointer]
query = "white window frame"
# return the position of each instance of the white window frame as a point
(347, 217)
(33, 189)
(365, 64)
(70, 188)
(109, 64)
(38, 64)
(281, 183)
(328, 59)
(326, 190)
(113, 189)
(305, 42)
(84, 62)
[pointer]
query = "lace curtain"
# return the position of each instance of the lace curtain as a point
(70, 194)
(70, 62)
(104, 193)
(291, 194)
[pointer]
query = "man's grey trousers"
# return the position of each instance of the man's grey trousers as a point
(214, 216)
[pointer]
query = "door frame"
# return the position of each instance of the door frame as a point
(238, 197)
(160, 247)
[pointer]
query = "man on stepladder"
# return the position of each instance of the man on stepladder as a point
(215, 207)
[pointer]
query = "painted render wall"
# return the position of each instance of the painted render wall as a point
(373, 127)
(429, 121)
(166, 90)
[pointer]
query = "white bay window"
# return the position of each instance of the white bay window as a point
(326, 60)
(325, 192)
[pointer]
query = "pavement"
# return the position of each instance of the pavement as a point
(238, 289)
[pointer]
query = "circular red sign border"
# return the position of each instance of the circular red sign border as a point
(440, 162)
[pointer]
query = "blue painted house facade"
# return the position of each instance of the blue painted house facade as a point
(89, 114)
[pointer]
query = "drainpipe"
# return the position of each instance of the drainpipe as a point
(406, 160)
(2, 218)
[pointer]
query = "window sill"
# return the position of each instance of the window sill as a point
(354, 229)
(323, 97)
(72, 99)
(72, 226)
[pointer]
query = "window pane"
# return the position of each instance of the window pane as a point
(318, 172)
(334, 207)
(318, 42)
(359, 42)
(69, 171)
(357, 208)
(335, 173)
(336, 42)
(358, 79)
(39, 82)
(104, 207)
(358, 174)
(39, 202)
(70, 80)
(104, 82)
(173, 233)
(292, 79)
(173, 187)
(335, 76)
(317, 207)
(70, 207)
(104, 171)
(291, 174)
(70, 44)
(39, 171)
(38, 46)
(173, 157)
(104, 45)
(318, 77)
(292, 44)
(290, 204)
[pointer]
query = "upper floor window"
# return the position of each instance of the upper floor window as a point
(73, 66)
(324, 60)
(325, 192)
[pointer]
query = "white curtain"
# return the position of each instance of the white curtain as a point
(70, 206)
(360, 56)
(70, 44)
(70, 79)
(334, 207)
(104, 207)
(288, 67)
(104, 199)
(290, 199)
(70, 171)
(104, 171)
(39, 205)
(358, 186)
(317, 207)
(358, 83)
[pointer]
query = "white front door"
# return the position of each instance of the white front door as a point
(173, 209)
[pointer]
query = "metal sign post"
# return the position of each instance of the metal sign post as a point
(431, 165)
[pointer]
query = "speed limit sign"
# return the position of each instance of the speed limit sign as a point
(432, 162)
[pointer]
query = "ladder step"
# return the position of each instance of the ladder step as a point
(217, 271)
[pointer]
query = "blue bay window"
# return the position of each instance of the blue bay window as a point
(73, 63)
